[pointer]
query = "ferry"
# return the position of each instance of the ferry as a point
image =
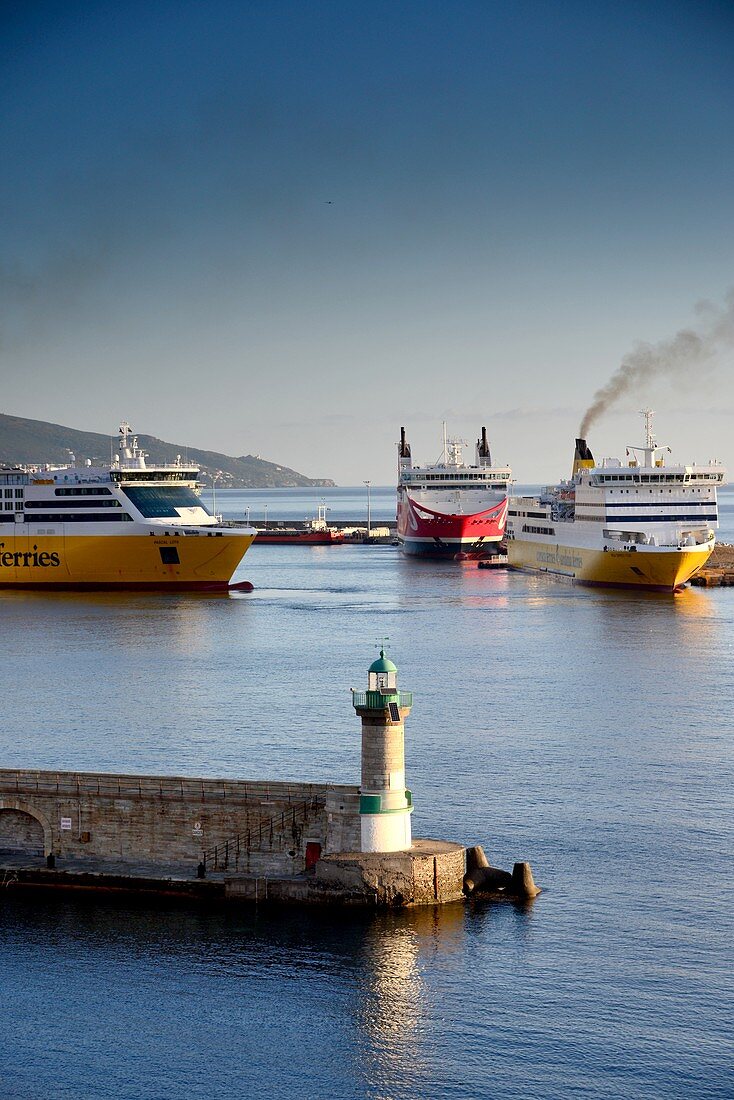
(640, 524)
(449, 509)
(122, 525)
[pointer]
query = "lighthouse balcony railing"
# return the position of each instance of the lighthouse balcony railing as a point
(378, 700)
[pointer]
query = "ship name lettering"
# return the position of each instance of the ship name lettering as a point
(558, 557)
(24, 559)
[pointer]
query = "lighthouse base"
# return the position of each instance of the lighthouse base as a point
(385, 832)
(431, 872)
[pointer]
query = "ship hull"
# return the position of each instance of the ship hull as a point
(204, 562)
(425, 532)
(299, 538)
(653, 569)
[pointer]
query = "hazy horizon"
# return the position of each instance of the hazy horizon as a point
(287, 230)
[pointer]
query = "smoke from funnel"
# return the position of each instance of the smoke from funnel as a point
(670, 358)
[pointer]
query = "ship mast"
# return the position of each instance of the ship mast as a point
(649, 434)
(652, 454)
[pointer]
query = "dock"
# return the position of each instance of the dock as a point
(348, 532)
(718, 572)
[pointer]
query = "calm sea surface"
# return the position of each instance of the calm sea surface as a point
(589, 732)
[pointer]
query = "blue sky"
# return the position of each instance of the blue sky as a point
(289, 228)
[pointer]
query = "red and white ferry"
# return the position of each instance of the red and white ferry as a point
(451, 509)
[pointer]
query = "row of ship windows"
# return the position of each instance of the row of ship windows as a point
(415, 485)
(69, 517)
(687, 517)
(63, 492)
(657, 479)
(678, 491)
(96, 491)
(73, 503)
(601, 517)
(459, 477)
(705, 502)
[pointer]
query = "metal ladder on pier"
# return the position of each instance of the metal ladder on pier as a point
(227, 855)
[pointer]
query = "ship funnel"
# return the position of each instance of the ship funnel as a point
(583, 459)
(403, 446)
(483, 456)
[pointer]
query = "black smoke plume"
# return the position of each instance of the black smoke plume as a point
(687, 350)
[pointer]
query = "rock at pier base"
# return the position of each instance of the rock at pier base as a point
(486, 881)
(475, 858)
(523, 885)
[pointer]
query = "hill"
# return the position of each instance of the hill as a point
(34, 441)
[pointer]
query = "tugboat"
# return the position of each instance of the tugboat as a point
(122, 525)
(449, 509)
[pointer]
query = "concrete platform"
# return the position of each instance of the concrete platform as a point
(430, 873)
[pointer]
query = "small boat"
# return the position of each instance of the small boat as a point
(315, 532)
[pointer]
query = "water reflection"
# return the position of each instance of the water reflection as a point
(125, 620)
(396, 1014)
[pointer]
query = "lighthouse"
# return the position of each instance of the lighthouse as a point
(385, 804)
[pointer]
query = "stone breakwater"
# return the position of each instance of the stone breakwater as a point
(222, 840)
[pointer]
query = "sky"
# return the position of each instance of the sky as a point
(287, 229)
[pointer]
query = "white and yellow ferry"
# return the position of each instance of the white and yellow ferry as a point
(637, 524)
(124, 525)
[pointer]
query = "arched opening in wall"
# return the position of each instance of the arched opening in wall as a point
(20, 833)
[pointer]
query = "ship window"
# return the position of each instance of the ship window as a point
(169, 555)
(18, 493)
(159, 501)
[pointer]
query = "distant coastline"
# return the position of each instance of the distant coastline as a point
(25, 441)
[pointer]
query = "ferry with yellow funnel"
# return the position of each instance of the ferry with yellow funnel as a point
(122, 525)
(634, 524)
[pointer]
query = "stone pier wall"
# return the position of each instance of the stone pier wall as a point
(174, 820)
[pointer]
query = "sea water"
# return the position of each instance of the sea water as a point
(588, 732)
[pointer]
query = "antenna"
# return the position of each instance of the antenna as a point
(649, 434)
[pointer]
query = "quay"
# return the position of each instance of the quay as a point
(346, 532)
(230, 840)
(718, 572)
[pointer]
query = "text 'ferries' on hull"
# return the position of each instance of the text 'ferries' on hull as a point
(451, 509)
(122, 525)
(642, 524)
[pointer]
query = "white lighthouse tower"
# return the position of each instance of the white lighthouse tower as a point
(385, 804)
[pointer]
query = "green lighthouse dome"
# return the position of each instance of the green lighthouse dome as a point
(382, 664)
